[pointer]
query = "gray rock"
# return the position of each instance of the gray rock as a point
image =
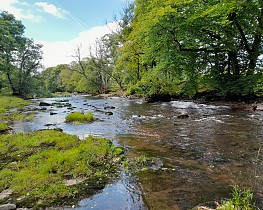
(109, 113)
(109, 107)
(7, 207)
(5, 194)
(44, 104)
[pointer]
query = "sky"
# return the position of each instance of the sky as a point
(63, 25)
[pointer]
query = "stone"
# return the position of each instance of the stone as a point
(44, 104)
(109, 107)
(7, 207)
(5, 194)
(183, 116)
(109, 113)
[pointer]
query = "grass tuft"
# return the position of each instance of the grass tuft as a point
(78, 117)
(241, 199)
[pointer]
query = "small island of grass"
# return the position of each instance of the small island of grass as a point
(79, 117)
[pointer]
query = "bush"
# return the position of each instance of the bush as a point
(78, 117)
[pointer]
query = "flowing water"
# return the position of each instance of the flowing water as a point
(201, 155)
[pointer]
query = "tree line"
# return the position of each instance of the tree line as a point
(160, 48)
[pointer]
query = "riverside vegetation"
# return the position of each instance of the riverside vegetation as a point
(49, 167)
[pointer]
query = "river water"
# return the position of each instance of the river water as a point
(201, 156)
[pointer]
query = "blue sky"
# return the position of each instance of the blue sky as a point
(62, 25)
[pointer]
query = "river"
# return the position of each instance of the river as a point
(202, 153)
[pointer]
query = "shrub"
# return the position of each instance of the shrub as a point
(78, 117)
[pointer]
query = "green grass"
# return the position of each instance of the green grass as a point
(9, 107)
(78, 117)
(242, 199)
(8, 102)
(3, 127)
(35, 165)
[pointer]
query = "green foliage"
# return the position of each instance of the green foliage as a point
(51, 78)
(258, 84)
(187, 43)
(78, 117)
(19, 57)
(241, 199)
(36, 165)
(154, 83)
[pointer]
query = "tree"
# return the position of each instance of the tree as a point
(52, 79)
(27, 62)
(19, 56)
(185, 42)
(98, 66)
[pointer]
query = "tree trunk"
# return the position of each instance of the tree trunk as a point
(15, 92)
(234, 63)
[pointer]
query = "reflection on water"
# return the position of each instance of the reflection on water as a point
(122, 195)
(202, 155)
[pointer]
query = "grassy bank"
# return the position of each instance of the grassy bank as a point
(10, 111)
(50, 167)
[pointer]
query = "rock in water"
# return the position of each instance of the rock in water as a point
(183, 116)
(109, 113)
(44, 104)
(109, 107)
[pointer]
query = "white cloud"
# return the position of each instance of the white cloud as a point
(12, 6)
(61, 52)
(52, 9)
